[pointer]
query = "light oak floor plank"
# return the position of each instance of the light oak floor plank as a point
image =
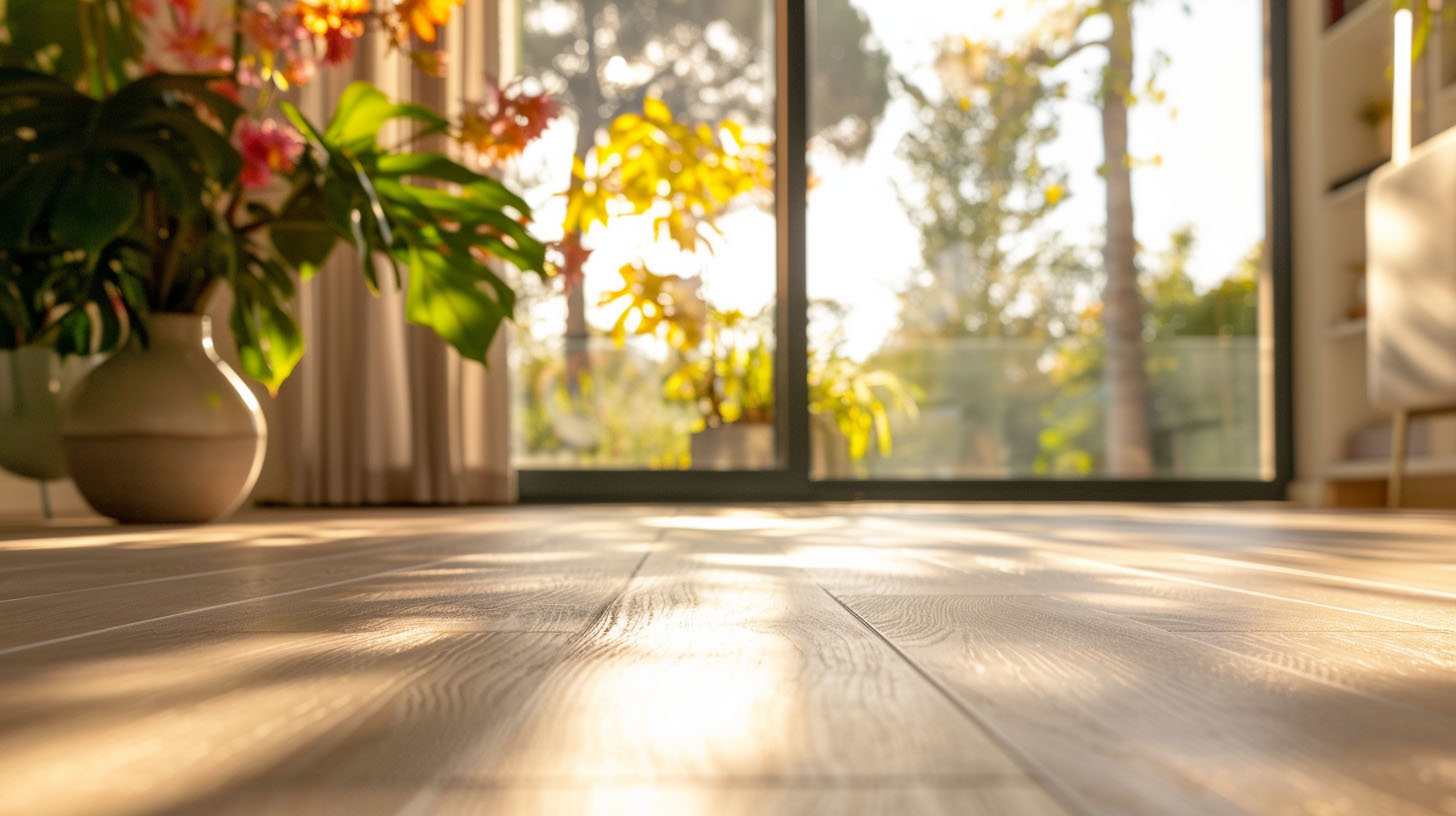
(719, 661)
(1417, 669)
(1137, 720)
(260, 712)
(835, 658)
(746, 799)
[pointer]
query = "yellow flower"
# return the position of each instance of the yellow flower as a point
(425, 16)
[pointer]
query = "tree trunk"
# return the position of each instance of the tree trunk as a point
(587, 94)
(1128, 454)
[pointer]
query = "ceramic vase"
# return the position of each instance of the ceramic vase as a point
(166, 432)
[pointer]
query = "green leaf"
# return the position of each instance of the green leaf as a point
(180, 185)
(440, 297)
(220, 160)
(269, 342)
(154, 90)
(74, 333)
(23, 198)
(363, 109)
(302, 235)
(436, 167)
(93, 207)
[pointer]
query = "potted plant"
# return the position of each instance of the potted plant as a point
(728, 379)
(147, 195)
(34, 379)
(688, 176)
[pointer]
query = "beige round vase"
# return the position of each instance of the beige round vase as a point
(167, 432)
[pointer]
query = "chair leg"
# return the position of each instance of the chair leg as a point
(1399, 427)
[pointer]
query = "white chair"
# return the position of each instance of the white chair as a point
(1411, 279)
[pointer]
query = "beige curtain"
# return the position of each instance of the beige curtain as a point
(380, 411)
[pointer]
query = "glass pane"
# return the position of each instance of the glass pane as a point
(1035, 266)
(652, 345)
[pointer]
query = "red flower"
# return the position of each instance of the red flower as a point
(509, 119)
(338, 46)
(567, 260)
(267, 148)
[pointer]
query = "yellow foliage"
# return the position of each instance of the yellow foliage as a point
(666, 306)
(696, 170)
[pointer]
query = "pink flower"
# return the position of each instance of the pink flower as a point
(197, 48)
(267, 148)
(270, 31)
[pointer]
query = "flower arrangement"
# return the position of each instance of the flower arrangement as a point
(141, 179)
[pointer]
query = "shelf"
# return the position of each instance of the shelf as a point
(1363, 470)
(1352, 185)
(1346, 329)
(1357, 19)
(1354, 73)
(1350, 189)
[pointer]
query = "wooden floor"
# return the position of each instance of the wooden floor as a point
(835, 659)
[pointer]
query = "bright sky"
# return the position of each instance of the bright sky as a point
(862, 247)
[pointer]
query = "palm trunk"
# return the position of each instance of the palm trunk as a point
(1128, 454)
(587, 95)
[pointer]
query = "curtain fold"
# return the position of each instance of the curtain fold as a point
(380, 411)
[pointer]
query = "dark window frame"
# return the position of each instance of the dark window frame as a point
(792, 481)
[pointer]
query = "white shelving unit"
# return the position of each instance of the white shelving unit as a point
(1340, 72)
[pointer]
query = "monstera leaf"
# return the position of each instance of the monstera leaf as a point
(82, 165)
(435, 222)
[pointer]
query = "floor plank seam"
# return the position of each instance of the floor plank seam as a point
(429, 795)
(626, 585)
(728, 781)
(27, 567)
(186, 612)
(398, 545)
(1034, 770)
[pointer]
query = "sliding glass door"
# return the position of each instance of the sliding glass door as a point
(906, 248)
(1036, 265)
(652, 347)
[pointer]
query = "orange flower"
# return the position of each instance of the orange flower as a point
(424, 16)
(337, 17)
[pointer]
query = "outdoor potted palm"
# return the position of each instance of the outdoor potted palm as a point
(134, 200)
